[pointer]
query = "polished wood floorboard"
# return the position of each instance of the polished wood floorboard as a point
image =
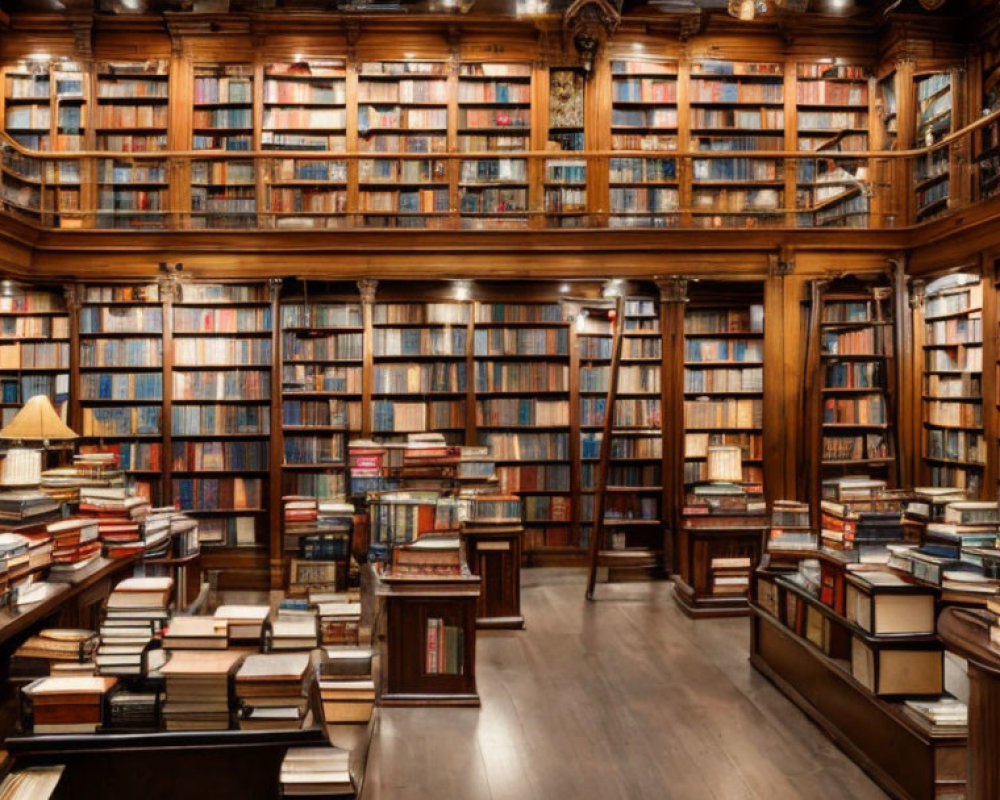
(624, 698)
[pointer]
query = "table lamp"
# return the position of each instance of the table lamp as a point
(724, 464)
(37, 421)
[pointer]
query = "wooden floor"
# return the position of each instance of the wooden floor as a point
(621, 698)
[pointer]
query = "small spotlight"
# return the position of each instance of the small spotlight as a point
(6, 288)
(462, 290)
(612, 288)
(564, 288)
(581, 320)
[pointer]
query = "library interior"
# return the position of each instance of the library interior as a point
(500, 399)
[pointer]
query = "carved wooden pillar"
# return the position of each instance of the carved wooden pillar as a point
(367, 288)
(277, 444)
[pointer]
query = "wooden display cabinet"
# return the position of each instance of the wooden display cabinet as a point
(707, 545)
(426, 632)
(803, 646)
(494, 554)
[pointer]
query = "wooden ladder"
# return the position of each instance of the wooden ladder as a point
(601, 554)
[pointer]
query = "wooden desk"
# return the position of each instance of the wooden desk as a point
(967, 633)
(404, 609)
(222, 765)
(86, 594)
(494, 554)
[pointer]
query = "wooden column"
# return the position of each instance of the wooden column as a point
(367, 287)
(275, 547)
(991, 414)
(536, 168)
(597, 136)
(471, 427)
(902, 174)
(575, 464)
(915, 358)
(168, 294)
(813, 401)
(779, 388)
(908, 379)
(673, 301)
(967, 633)
(73, 293)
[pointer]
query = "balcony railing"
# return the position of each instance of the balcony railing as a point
(277, 190)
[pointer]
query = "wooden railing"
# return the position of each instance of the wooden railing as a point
(262, 190)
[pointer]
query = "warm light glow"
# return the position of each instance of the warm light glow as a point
(529, 7)
(564, 288)
(462, 290)
(581, 320)
(38, 57)
(612, 288)
(637, 47)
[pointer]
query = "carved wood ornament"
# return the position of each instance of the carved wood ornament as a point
(589, 24)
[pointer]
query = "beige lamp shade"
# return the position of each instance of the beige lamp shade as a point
(37, 421)
(725, 464)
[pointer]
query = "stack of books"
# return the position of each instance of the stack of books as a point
(75, 546)
(54, 651)
(68, 704)
(366, 462)
(91, 470)
(316, 772)
(246, 624)
(134, 711)
(790, 528)
(271, 689)
(197, 696)
(137, 610)
(864, 534)
(347, 700)
(945, 715)
(26, 505)
(196, 633)
(476, 467)
(856, 491)
(339, 617)
(429, 449)
(428, 557)
(294, 632)
(120, 516)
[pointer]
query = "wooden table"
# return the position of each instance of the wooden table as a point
(967, 634)
(221, 765)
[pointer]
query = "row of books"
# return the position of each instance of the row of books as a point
(498, 92)
(121, 421)
(661, 118)
(958, 386)
(293, 169)
(403, 91)
(423, 201)
(832, 93)
(727, 413)
(325, 448)
(534, 477)
(865, 410)
(193, 420)
(34, 355)
(964, 330)
(209, 90)
(118, 117)
(409, 171)
(389, 416)
(522, 341)
(331, 412)
(724, 380)
(330, 92)
(521, 412)
(644, 90)
(211, 494)
(419, 342)
(473, 118)
(121, 386)
(420, 378)
(956, 446)
(398, 118)
(320, 378)
(725, 321)
(964, 359)
(237, 384)
(222, 351)
(708, 350)
(222, 320)
(644, 200)
(744, 119)
(937, 412)
(731, 200)
(137, 319)
(219, 456)
(858, 342)
(703, 90)
(496, 376)
(853, 375)
(332, 347)
(870, 446)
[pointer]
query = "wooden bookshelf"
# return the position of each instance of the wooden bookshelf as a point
(421, 376)
(724, 383)
(644, 192)
(403, 108)
(737, 105)
(494, 120)
(856, 363)
(132, 104)
(565, 177)
(954, 446)
(34, 350)
(934, 120)
(522, 385)
(305, 108)
(321, 352)
(221, 413)
(120, 330)
(45, 103)
(832, 113)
